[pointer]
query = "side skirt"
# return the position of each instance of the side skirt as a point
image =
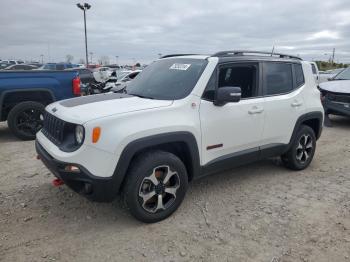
(242, 158)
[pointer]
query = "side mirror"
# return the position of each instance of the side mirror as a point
(227, 94)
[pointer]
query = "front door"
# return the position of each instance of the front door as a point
(235, 127)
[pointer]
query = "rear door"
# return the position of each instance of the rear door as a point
(282, 85)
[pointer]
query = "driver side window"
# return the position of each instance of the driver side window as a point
(238, 75)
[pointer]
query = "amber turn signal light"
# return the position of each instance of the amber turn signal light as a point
(96, 132)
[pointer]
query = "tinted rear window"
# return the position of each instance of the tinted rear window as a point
(278, 78)
(299, 75)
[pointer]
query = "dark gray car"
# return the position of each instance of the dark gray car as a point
(335, 94)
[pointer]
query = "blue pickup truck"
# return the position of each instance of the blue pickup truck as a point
(24, 95)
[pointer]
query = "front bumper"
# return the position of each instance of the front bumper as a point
(95, 188)
(336, 108)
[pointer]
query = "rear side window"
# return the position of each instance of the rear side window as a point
(299, 75)
(278, 78)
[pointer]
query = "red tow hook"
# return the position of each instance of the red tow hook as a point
(57, 182)
(38, 157)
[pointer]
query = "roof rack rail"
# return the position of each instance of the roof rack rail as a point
(242, 52)
(175, 55)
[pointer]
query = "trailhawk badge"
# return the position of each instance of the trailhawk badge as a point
(54, 110)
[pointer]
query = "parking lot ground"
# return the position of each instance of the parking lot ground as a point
(261, 212)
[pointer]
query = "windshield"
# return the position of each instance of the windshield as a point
(343, 75)
(167, 79)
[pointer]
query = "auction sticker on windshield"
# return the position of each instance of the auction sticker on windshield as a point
(182, 67)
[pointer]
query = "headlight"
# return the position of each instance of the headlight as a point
(79, 134)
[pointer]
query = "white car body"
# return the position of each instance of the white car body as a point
(179, 115)
(12, 62)
(127, 75)
(257, 123)
(101, 74)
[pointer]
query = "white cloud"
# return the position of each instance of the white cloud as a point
(325, 34)
(142, 29)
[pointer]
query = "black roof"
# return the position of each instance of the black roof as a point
(256, 53)
(243, 55)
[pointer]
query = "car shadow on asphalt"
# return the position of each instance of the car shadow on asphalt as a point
(65, 206)
(339, 121)
(6, 135)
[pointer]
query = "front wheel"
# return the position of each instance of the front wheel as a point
(302, 149)
(155, 186)
(26, 119)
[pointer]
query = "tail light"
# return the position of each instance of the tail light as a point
(76, 86)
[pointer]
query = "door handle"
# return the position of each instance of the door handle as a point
(297, 103)
(256, 110)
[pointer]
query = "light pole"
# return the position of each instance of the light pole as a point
(85, 7)
(116, 59)
(42, 59)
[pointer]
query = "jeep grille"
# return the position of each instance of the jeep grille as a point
(53, 128)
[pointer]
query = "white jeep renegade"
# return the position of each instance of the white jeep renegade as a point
(183, 117)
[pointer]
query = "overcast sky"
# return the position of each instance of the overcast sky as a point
(142, 29)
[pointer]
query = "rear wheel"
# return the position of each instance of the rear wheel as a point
(302, 149)
(26, 119)
(155, 187)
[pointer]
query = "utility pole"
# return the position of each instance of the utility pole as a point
(116, 59)
(85, 7)
(333, 55)
(42, 58)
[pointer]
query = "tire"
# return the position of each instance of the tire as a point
(25, 119)
(302, 149)
(140, 184)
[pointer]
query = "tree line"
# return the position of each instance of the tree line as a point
(324, 66)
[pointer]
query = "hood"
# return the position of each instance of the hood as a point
(82, 109)
(336, 86)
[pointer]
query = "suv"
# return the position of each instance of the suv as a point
(183, 117)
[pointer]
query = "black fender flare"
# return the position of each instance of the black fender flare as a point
(318, 115)
(5, 93)
(152, 141)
